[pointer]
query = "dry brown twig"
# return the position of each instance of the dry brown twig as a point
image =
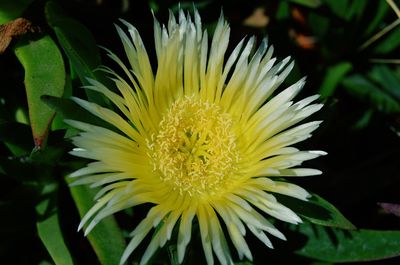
(13, 29)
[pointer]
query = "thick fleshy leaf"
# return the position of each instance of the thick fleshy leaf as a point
(79, 46)
(317, 210)
(106, 238)
(49, 231)
(44, 75)
(335, 245)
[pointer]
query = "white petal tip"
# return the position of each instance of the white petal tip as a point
(322, 153)
(317, 172)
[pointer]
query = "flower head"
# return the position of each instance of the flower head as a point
(201, 139)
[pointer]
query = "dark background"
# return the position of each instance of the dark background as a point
(360, 129)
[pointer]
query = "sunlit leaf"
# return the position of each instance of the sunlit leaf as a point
(44, 75)
(335, 245)
(21, 116)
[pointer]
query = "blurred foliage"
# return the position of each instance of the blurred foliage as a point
(348, 49)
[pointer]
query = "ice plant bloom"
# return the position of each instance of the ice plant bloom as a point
(205, 138)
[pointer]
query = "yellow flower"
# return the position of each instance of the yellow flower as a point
(202, 138)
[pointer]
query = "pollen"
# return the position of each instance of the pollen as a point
(195, 148)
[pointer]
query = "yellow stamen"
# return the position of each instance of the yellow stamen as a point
(195, 147)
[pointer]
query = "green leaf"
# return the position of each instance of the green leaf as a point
(365, 90)
(337, 7)
(335, 245)
(333, 77)
(173, 254)
(49, 230)
(308, 3)
(388, 80)
(68, 109)
(355, 9)
(79, 46)
(47, 157)
(10, 10)
(58, 121)
(283, 11)
(389, 42)
(21, 116)
(319, 24)
(106, 238)
(379, 15)
(154, 6)
(317, 210)
(44, 75)
(364, 120)
(45, 262)
(200, 5)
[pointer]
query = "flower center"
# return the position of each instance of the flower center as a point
(195, 148)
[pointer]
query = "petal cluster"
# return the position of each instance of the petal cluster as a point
(203, 139)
